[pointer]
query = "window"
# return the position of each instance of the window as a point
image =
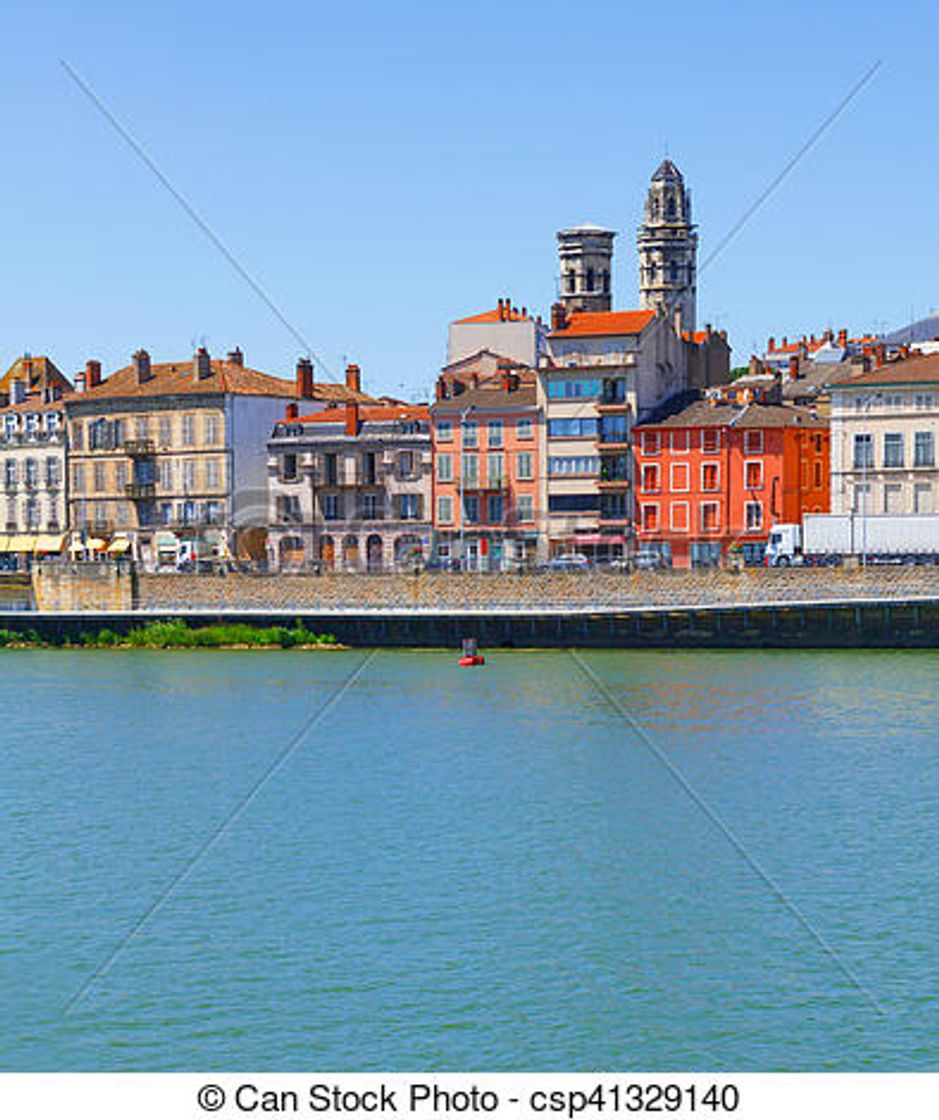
(710, 476)
(710, 517)
(189, 430)
(470, 433)
(614, 507)
(120, 476)
(53, 473)
(680, 475)
(573, 390)
(754, 511)
(142, 427)
(523, 429)
(409, 507)
(526, 509)
(496, 508)
(495, 433)
(210, 430)
(166, 474)
(445, 467)
(818, 475)
(893, 449)
(923, 498)
(710, 440)
(680, 440)
(923, 401)
(752, 443)
(863, 451)
(614, 429)
(471, 509)
(32, 513)
(372, 507)
(573, 503)
(53, 422)
(573, 428)
(573, 464)
(32, 473)
(753, 475)
(9, 473)
(818, 445)
(189, 474)
(213, 473)
(78, 477)
(445, 510)
(32, 423)
(122, 513)
(165, 429)
(78, 434)
(444, 431)
(495, 468)
(616, 468)
(523, 465)
(651, 443)
(893, 497)
(9, 425)
(470, 470)
(331, 507)
(650, 517)
(165, 513)
(331, 468)
(924, 450)
(369, 468)
(650, 478)
(862, 497)
(614, 389)
(679, 517)
(99, 477)
(213, 511)
(406, 465)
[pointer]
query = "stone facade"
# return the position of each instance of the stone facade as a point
(668, 244)
(349, 489)
(586, 254)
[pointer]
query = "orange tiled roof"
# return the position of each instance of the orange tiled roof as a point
(605, 322)
(35, 403)
(918, 369)
(38, 372)
(697, 336)
(367, 413)
(497, 315)
(177, 378)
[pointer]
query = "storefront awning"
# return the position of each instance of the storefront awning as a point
(50, 542)
(120, 545)
(4, 543)
(21, 543)
(92, 544)
(595, 538)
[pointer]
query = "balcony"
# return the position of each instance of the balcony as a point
(140, 490)
(614, 483)
(138, 447)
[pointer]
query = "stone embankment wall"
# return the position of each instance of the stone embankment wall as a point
(95, 585)
(494, 592)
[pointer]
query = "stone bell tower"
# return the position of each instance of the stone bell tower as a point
(586, 256)
(668, 244)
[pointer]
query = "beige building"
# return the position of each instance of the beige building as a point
(32, 452)
(884, 432)
(168, 461)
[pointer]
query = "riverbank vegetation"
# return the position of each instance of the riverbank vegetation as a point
(175, 634)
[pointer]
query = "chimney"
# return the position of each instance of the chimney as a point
(793, 367)
(304, 377)
(756, 366)
(353, 378)
(80, 381)
(293, 410)
(201, 364)
(92, 374)
(352, 418)
(501, 311)
(142, 366)
(904, 351)
(17, 391)
(843, 338)
(236, 357)
(558, 317)
(505, 381)
(772, 345)
(881, 355)
(785, 342)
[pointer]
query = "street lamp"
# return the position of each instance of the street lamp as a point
(866, 403)
(463, 415)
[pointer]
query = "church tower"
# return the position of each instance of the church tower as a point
(586, 255)
(667, 245)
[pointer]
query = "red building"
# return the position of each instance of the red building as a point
(717, 475)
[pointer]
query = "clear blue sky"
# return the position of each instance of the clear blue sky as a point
(384, 168)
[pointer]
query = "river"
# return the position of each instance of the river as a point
(715, 861)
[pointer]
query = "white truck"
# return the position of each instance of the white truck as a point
(827, 538)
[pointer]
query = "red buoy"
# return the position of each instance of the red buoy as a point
(471, 655)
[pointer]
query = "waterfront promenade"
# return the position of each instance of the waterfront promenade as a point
(884, 607)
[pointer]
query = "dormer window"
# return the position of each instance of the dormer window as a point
(9, 424)
(52, 421)
(32, 423)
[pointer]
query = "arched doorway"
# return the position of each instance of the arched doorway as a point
(408, 551)
(328, 554)
(292, 554)
(373, 553)
(350, 554)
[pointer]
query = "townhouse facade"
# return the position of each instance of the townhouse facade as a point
(168, 461)
(350, 488)
(715, 476)
(487, 434)
(884, 431)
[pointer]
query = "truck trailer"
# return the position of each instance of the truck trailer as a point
(828, 538)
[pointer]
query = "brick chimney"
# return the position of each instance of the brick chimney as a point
(201, 364)
(142, 366)
(558, 317)
(772, 345)
(353, 378)
(843, 338)
(92, 374)
(236, 357)
(304, 377)
(881, 355)
(501, 311)
(352, 418)
(793, 367)
(293, 410)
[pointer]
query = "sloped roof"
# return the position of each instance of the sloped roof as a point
(585, 323)
(668, 171)
(373, 413)
(38, 372)
(705, 414)
(496, 315)
(918, 369)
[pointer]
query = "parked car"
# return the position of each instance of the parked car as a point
(569, 562)
(647, 559)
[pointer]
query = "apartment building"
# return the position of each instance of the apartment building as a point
(350, 488)
(486, 431)
(715, 476)
(32, 450)
(884, 430)
(168, 461)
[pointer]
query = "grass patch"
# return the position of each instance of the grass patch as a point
(175, 634)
